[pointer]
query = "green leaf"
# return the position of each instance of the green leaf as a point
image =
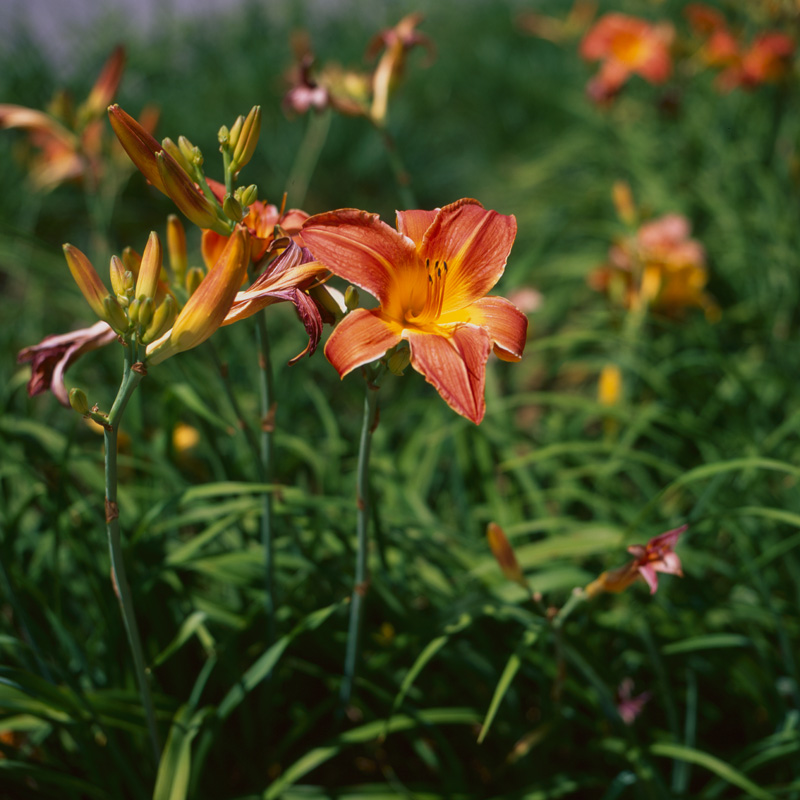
(713, 764)
(174, 769)
(711, 641)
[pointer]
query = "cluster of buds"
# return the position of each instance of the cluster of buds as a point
(71, 143)
(658, 265)
(355, 92)
(767, 59)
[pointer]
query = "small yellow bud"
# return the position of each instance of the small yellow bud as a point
(176, 247)
(236, 131)
(194, 277)
(150, 270)
(118, 275)
(79, 401)
(177, 154)
(132, 260)
(223, 135)
(187, 148)
(247, 195)
(133, 310)
(351, 298)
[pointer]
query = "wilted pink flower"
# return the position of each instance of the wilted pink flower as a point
(54, 354)
(628, 706)
(656, 556)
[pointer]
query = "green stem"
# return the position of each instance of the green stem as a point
(362, 522)
(131, 378)
(267, 427)
(305, 161)
(401, 174)
(577, 597)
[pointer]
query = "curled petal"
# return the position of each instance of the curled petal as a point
(475, 243)
(361, 337)
(360, 248)
(506, 324)
(309, 314)
(455, 365)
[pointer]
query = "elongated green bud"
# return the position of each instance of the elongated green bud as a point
(351, 298)
(247, 195)
(132, 260)
(79, 401)
(145, 311)
(176, 153)
(232, 208)
(133, 310)
(246, 142)
(114, 315)
(399, 360)
(235, 131)
(176, 247)
(223, 136)
(162, 320)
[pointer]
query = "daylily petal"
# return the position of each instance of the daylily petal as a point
(669, 564)
(475, 243)
(506, 324)
(361, 337)
(308, 312)
(455, 365)
(649, 574)
(358, 247)
(414, 223)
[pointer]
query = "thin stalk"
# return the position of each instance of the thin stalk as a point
(131, 378)
(362, 522)
(308, 154)
(267, 389)
(401, 175)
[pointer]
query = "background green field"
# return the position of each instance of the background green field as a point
(707, 434)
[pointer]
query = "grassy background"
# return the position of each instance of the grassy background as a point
(707, 433)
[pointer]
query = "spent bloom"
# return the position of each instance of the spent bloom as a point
(431, 277)
(626, 46)
(504, 555)
(656, 556)
(628, 706)
(54, 354)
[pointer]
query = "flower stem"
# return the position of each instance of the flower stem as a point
(305, 161)
(267, 427)
(368, 425)
(131, 378)
(401, 176)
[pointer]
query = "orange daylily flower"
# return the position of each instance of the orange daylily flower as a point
(626, 45)
(430, 276)
(656, 556)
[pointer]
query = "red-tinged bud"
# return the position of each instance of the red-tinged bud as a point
(176, 247)
(105, 86)
(138, 144)
(189, 199)
(504, 554)
(87, 279)
(150, 271)
(132, 261)
(206, 308)
(245, 144)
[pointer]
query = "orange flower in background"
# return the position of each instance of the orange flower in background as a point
(660, 266)
(656, 556)
(430, 277)
(626, 46)
(70, 142)
(768, 59)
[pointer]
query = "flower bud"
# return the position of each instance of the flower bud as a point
(351, 298)
(132, 261)
(236, 131)
(145, 311)
(187, 148)
(194, 278)
(133, 310)
(177, 154)
(114, 315)
(87, 279)
(223, 135)
(118, 275)
(504, 554)
(162, 320)
(140, 145)
(232, 208)
(150, 271)
(176, 247)
(399, 360)
(246, 142)
(247, 195)
(79, 401)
